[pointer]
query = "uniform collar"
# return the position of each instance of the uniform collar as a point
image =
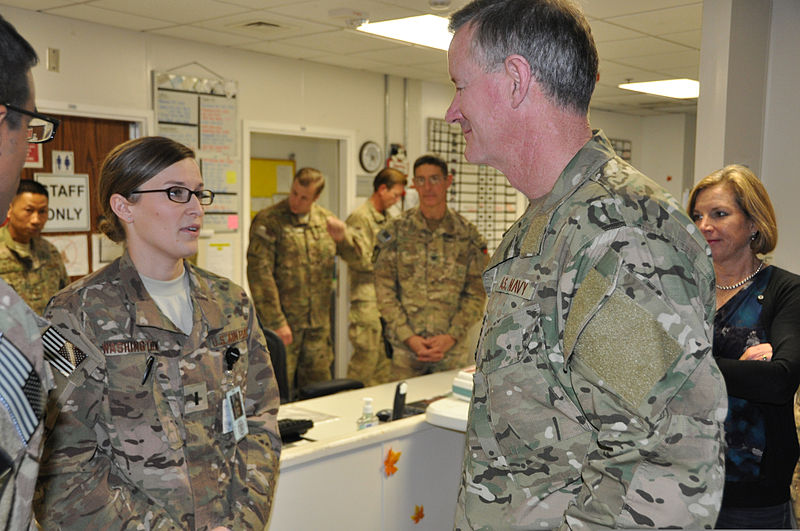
(146, 309)
(447, 225)
(524, 238)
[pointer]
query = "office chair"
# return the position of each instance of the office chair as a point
(277, 352)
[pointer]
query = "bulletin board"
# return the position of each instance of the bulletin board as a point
(270, 181)
(479, 192)
(202, 114)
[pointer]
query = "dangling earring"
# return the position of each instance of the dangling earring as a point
(753, 236)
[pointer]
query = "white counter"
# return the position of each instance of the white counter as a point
(336, 480)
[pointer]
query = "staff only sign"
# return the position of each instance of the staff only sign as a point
(69, 202)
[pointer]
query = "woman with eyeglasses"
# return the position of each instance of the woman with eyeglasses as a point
(171, 423)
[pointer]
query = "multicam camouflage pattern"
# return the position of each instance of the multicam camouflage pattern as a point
(136, 452)
(35, 276)
(368, 363)
(597, 403)
(429, 283)
(290, 267)
(25, 380)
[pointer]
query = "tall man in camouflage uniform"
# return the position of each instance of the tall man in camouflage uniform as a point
(597, 403)
(29, 263)
(428, 278)
(25, 378)
(290, 266)
(369, 363)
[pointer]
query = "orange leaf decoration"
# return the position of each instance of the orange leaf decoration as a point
(419, 513)
(390, 462)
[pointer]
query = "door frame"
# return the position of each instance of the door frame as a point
(346, 202)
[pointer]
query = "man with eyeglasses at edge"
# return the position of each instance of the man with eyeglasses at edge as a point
(428, 266)
(25, 377)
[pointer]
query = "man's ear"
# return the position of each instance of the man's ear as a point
(519, 71)
(121, 207)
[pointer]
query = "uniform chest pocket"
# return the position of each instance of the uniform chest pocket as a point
(535, 426)
(511, 339)
(135, 429)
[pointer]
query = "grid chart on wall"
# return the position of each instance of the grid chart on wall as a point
(622, 147)
(480, 193)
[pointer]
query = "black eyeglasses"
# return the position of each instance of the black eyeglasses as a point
(41, 129)
(180, 194)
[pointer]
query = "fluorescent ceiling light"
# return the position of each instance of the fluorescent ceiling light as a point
(427, 30)
(671, 88)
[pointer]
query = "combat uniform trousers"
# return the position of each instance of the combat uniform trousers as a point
(368, 362)
(309, 356)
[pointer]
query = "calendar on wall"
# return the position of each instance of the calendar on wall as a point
(479, 192)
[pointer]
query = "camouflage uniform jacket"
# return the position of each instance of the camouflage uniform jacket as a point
(290, 266)
(429, 283)
(36, 276)
(597, 402)
(25, 380)
(367, 221)
(144, 449)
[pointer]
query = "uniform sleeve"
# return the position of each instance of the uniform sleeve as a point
(257, 474)
(77, 488)
(473, 296)
(774, 382)
(261, 260)
(360, 227)
(62, 275)
(387, 285)
(637, 336)
(351, 247)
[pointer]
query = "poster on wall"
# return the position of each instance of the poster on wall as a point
(74, 250)
(202, 113)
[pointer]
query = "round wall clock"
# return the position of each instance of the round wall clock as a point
(370, 156)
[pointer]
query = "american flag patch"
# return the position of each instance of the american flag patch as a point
(62, 355)
(20, 390)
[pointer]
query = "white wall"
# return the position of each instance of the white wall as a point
(782, 116)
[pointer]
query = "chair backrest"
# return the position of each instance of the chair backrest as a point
(277, 352)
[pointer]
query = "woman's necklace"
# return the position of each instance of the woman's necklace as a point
(743, 281)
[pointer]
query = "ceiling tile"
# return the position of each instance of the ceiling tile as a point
(665, 61)
(281, 50)
(342, 42)
(108, 17)
(264, 25)
(194, 33)
(321, 11)
(603, 31)
(687, 38)
(405, 55)
(605, 9)
(175, 11)
(637, 47)
(37, 5)
(663, 21)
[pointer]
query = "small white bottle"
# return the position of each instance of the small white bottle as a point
(367, 418)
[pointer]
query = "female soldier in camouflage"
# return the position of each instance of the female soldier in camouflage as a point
(171, 424)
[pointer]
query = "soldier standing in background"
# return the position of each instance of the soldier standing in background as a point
(29, 263)
(369, 363)
(25, 377)
(428, 267)
(597, 402)
(290, 267)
